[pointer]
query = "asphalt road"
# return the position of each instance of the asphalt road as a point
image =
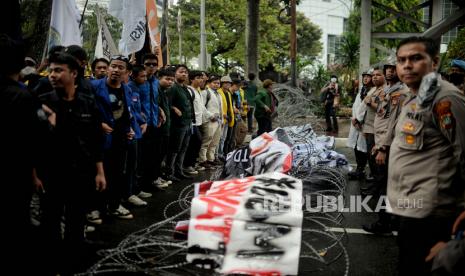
(367, 254)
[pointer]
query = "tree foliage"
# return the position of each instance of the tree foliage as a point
(455, 50)
(349, 51)
(35, 22)
(225, 27)
(352, 35)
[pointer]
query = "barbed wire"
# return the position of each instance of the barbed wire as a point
(157, 249)
(296, 107)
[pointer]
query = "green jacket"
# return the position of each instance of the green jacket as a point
(251, 93)
(180, 98)
(163, 103)
(263, 98)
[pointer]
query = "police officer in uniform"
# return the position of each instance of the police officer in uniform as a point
(427, 164)
(387, 111)
(366, 113)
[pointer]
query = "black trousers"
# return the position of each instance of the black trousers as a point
(381, 182)
(64, 196)
(230, 142)
(250, 113)
(370, 139)
(179, 142)
(264, 125)
(193, 149)
(130, 168)
(330, 113)
(360, 159)
(150, 149)
(415, 239)
(164, 149)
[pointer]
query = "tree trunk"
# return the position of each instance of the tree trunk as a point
(251, 30)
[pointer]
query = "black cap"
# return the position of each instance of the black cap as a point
(76, 51)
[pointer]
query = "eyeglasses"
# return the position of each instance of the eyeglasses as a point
(119, 57)
(151, 64)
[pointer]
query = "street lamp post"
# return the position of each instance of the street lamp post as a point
(293, 44)
(203, 39)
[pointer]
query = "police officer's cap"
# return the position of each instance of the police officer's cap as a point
(458, 63)
(366, 73)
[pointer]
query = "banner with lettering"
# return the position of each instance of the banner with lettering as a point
(133, 15)
(250, 226)
(154, 31)
(105, 46)
(268, 154)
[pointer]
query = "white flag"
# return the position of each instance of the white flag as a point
(64, 24)
(105, 47)
(99, 46)
(115, 8)
(132, 13)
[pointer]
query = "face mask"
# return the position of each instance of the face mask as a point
(456, 78)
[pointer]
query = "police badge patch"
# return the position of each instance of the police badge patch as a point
(395, 98)
(444, 113)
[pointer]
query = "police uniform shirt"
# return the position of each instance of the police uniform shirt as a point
(396, 101)
(427, 164)
(388, 105)
(368, 122)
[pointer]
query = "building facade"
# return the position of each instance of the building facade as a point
(331, 16)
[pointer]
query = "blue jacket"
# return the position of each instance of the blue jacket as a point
(102, 97)
(138, 119)
(149, 107)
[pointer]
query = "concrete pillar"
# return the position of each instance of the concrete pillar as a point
(365, 37)
(436, 11)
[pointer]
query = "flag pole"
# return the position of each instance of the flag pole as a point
(83, 11)
(180, 35)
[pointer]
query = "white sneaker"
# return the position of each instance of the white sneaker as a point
(94, 217)
(136, 201)
(190, 170)
(122, 213)
(143, 194)
(89, 229)
(161, 181)
(162, 186)
(167, 182)
(199, 168)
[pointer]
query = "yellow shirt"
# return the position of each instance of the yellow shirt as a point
(226, 103)
(245, 106)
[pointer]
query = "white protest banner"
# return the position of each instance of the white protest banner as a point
(64, 24)
(133, 15)
(248, 226)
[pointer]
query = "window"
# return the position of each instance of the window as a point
(448, 8)
(334, 43)
(425, 17)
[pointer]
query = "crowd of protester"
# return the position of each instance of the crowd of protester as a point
(98, 145)
(93, 147)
